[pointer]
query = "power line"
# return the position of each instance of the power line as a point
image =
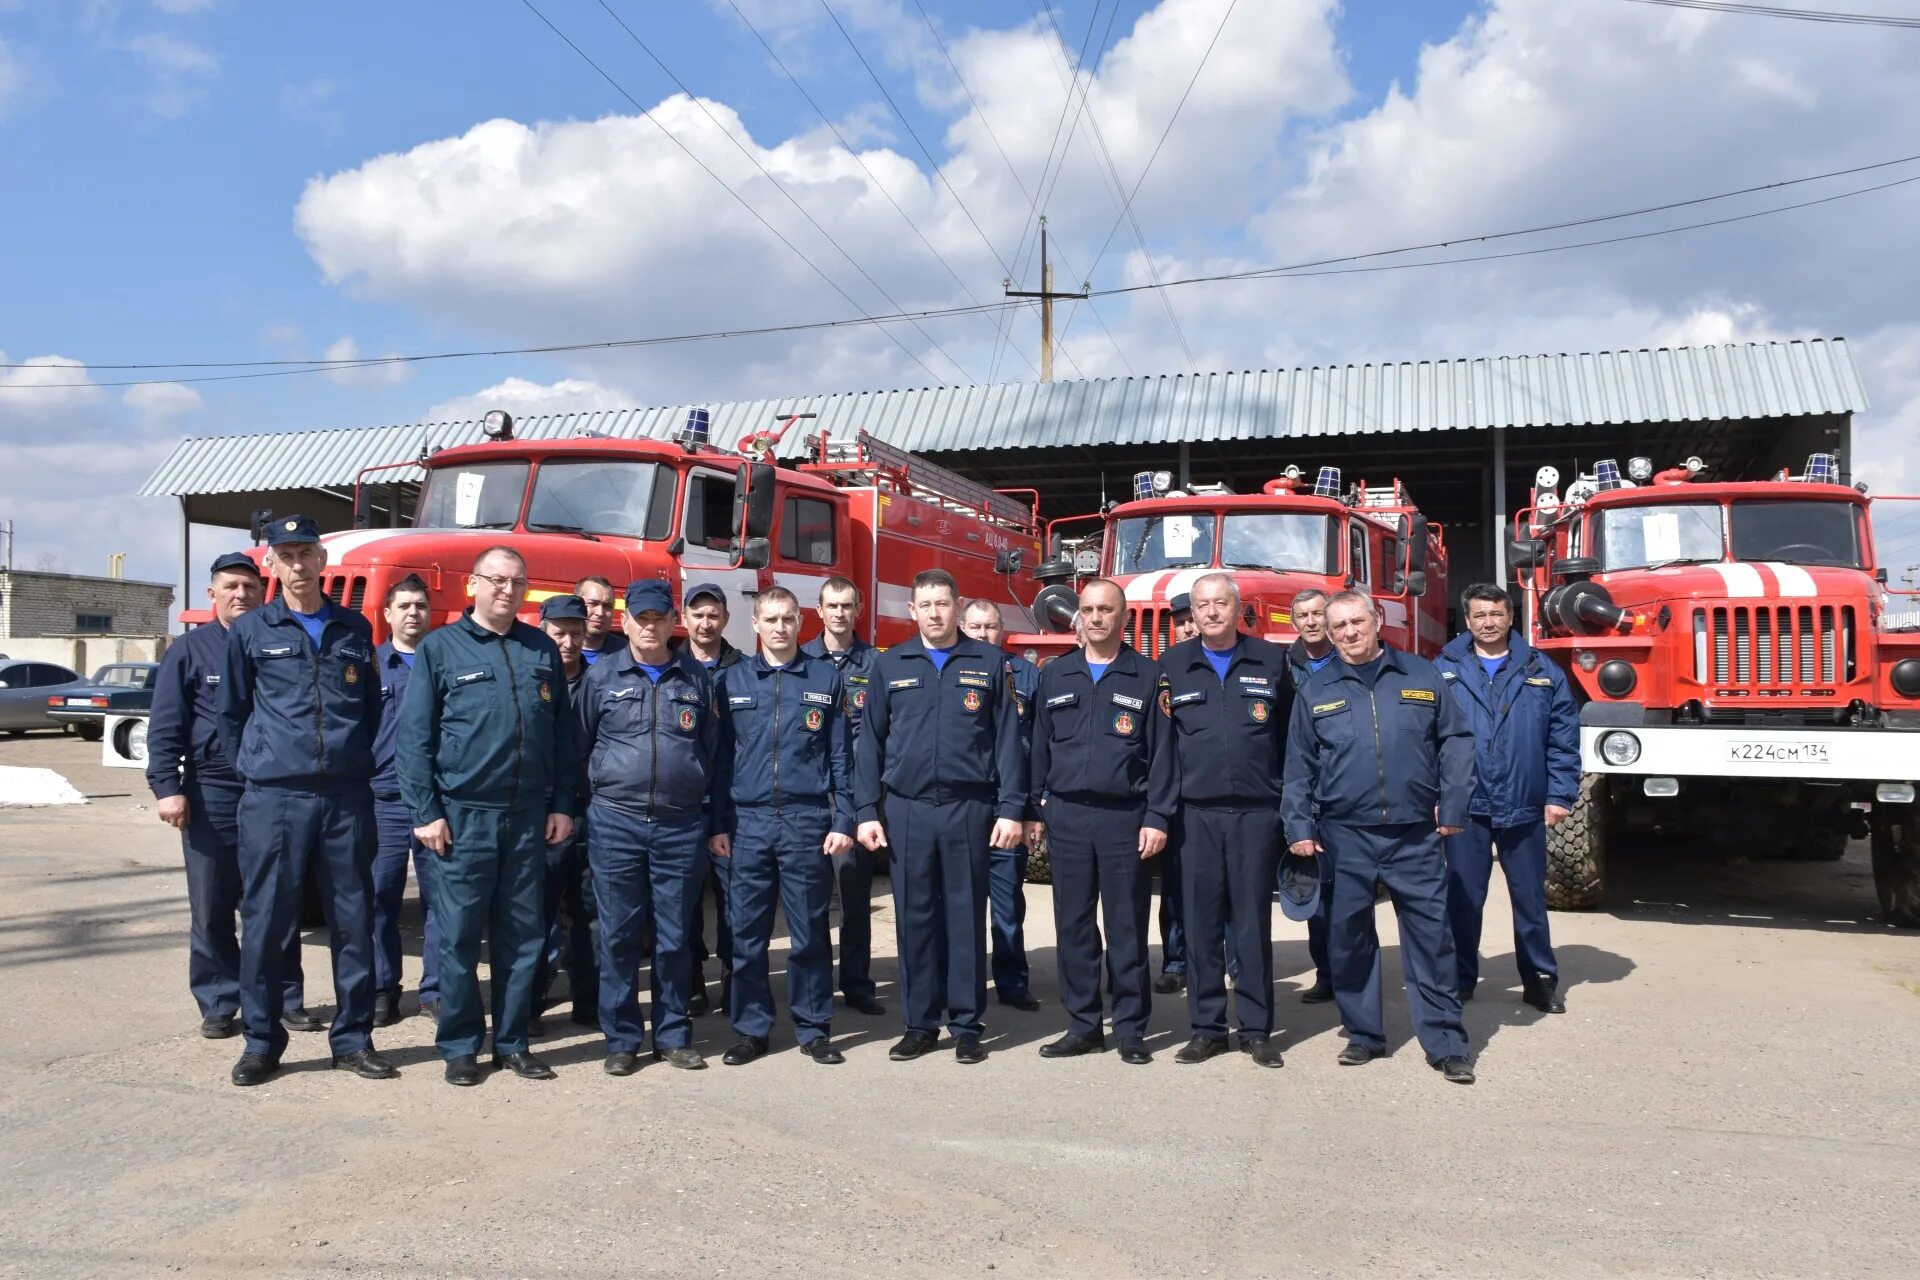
(1802, 15)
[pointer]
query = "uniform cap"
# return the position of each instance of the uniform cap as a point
(1182, 603)
(239, 560)
(560, 608)
(285, 529)
(1299, 887)
(700, 589)
(648, 595)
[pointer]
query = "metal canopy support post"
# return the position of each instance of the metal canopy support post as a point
(1499, 522)
(186, 556)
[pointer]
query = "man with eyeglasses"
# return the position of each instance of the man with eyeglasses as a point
(487, 765)
(408, 619)
(600, 635)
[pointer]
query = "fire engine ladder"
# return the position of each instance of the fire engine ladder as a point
(914, 475)
(1393, 495)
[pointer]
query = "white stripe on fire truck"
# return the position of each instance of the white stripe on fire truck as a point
(891, 601)
(1742, 581)
(1794, 581)
(1141, 589)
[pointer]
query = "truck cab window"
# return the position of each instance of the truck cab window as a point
(483, 496)
(709, 514)
(1360, 567)
(593, 496)
(1647, 537)
(1796, 532)
(806, 531)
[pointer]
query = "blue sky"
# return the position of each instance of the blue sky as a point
(214, 179)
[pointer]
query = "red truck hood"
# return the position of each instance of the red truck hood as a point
(1739, 581)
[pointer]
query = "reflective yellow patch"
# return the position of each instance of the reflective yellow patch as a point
(1325, 707)
(1416, 695)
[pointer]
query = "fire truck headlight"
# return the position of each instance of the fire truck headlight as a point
(1894, 793)
(1547, 478)
(1619, 748)
(1906, 677)
(1162, 481)
(1640, 468)
(1617, 678)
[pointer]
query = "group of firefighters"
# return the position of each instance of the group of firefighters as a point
(569, 794)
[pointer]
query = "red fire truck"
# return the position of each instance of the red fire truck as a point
(686, 511)
(1276, 543)
(1742, 673)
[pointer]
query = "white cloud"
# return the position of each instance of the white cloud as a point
(160, 402)
(180, 73)
(374, 375)
(46, 387)
(521, 397)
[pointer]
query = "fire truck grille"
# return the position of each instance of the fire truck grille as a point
(347, 591)
(1151, 629)
(1775, 650)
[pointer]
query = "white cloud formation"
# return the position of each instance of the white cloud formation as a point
(522, 397)
(373, 375)
(180, 73)
(161, 402)
(46, 387)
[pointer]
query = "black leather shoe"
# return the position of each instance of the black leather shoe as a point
(302, 1019)
(430, 1010)
(386, 1009)
(686, 1057)
(1545, 999)
(621, 1064)
(1168, 983)
(867, 1005)
(464, 1071)
(1318, 993)
(749, 1048)
(823, 1052)
(1199, 1049)
(366, 1064)
(219, 1028)
(1134, 1053)
(254, 1068)
(1263, 1051)
(1024, 1002)
(699, 1006)
(1456, 1070)
(1072, 1046)
(914, 1044)
(968, 1049)
(524, 1065)
(1356, 1055)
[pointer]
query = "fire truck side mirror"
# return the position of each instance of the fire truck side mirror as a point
(1006, 560)
(362, 507)
(1416, 547)
(1417, 582)
(756, 553)
(1526, 553)
(753, 500)
(257, 523)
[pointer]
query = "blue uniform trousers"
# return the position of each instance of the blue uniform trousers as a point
(396, 845)
(716, 881)
(490, 883)
(1099, 878)
(777, 859)
(1523, 857)
(572, 928)
(211, 845)
(1410, 862)
(1317, 927)
(853, 877)
(1173, 929)
(1229, 859)
(940, 891)
(647, 873)
(285, 836)
(1007, 895)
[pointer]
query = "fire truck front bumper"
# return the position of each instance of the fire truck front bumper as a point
(1694, 751)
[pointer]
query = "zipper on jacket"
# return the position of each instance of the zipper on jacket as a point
(319, 696)
(519, 729)
(1379, 756)
(653, 743)
(776, 739)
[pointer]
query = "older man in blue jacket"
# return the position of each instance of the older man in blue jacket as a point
(1526, 733)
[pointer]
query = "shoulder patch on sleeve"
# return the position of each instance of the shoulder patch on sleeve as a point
(1416, 695)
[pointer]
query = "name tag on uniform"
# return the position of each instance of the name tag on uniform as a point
(1416, 695)
(1449, 675)
(746, 701)
(278, 651)
(686, 697)
(1543, 681)
(1328, 708)
(1258, 682)
(1181, 699)
(472, 676)
(629, 691)
(1123, 700)
(824, 699)
(856, 679)
(353, 654)
(1063, 700)
(978, 679)
(908, 682)
(210, 680)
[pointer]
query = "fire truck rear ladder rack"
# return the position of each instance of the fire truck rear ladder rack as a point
(920, 478)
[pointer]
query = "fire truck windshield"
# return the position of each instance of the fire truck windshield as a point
(1797, 532)
(1182, 540)
(483, 496)
(1275, 540)
(597, 496)
(1647, 537)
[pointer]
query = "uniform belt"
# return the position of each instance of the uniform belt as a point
(947, 795)
(1264, 802)
(1094, 800)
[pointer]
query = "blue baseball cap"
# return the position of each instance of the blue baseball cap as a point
(1299, 886)
(648, 595)
(699, 589)
(285, 529)
(560, 608)
(234, 560)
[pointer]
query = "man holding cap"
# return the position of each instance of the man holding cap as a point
(648, 731)
(408, 618)
(199, 796)
(569, 883)
(298, 709)
(705, 612)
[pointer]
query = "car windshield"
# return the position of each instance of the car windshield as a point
(132, 677)
(1277, 540)
(594, 496)
(1643, 537)
(485, 495)
(1174, 540)
(1797, 532)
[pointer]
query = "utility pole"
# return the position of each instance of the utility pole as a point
(1046, 296)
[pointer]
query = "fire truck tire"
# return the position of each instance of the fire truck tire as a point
(1896, 869)
(1039, 867)
(1577, 849)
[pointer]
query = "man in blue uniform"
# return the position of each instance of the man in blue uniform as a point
(853, 658)
(1007, 869)
(648, 731)
(1227, 695)
(1379, 770)
(705, 612)
(1173, 932)
(1526, 734)
(297, 713)
(570, 917)
(408, 618)
(600, 635)
(784, 809)
(1312, 650)
(939, 776)
(199, 796)
(488, 769)
(1102, 783)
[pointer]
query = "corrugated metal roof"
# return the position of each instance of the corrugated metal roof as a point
(1667, 384)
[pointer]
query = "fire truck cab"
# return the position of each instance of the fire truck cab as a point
(1740, 673)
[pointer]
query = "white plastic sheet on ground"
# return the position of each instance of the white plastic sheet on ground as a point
(28, 787)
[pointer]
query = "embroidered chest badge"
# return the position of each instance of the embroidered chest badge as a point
(1123, 724)
(687, 717)
(1257, 710)
(972, 700)
(814, 718)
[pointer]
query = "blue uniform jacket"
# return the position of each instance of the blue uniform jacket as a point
(941, 734)
(649, 748)
(1526, 731)
(183, 740)
(485, 724)
(855, 665)
(393, 671)
(1230, 736)
(1382, 756)
(291, 717)
(1105, 742)
(783, 740)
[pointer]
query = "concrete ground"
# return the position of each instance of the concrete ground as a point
(1731, 1094)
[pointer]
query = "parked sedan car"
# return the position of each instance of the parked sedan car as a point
(24, 689)
(119, 688)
